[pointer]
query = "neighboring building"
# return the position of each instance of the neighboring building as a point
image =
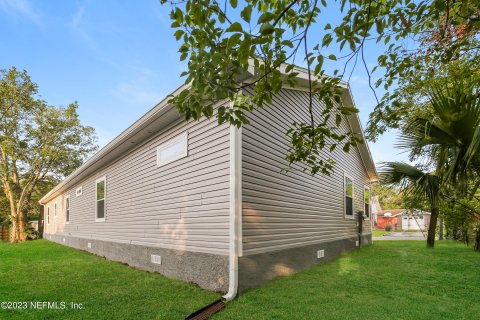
(375, 209)
(403, 219)
(209, 203)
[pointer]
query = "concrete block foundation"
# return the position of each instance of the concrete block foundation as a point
(210, 271)
(257, 269)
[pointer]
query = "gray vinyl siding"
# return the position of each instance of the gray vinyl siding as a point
(286, 210)
(183, 205)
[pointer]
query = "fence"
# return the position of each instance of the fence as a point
(4, 233)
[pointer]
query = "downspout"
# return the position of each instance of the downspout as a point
(235, 229)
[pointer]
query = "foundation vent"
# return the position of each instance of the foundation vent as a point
(89, 245)
(154, 258)
(320, 253)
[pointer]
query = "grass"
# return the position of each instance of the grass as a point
(44, 271)
(388, 280)
(379, 233)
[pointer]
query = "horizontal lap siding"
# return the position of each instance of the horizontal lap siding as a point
(285, 210)
(183, 205)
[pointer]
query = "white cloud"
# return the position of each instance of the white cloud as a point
(21, 8)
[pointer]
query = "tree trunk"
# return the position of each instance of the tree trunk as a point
(17, 229)
(14, 230)
(440, 229)
(432, 228)
(476, 246)
(22, 236)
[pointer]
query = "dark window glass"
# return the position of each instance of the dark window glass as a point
(349, 206)
(100, 209)
(67, 209)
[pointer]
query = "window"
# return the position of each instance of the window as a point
(367, 198)
(67, 209)
(100, 193)
(348, 197)
(48, 215)
(172, 150)
(79, 191)
(55, 210)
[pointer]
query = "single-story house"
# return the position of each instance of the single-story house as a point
(209, 203)
(403, 219)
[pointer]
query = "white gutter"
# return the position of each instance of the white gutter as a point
(235, 231)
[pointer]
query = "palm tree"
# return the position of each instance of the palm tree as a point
(412, 180)
(452, 136)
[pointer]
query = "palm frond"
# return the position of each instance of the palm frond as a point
(411, 180)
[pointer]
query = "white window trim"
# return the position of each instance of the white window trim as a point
(104, 178)
(352, 217)
(48, 215)
(69, 208)
(79, 191)
(180, 138)
(55, 208)
(366, 187)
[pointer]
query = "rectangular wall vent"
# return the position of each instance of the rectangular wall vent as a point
(89, 245)
(320, 253)
(63, 239)
(155, 258)
(356, 243)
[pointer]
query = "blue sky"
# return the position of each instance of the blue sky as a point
(117, 59)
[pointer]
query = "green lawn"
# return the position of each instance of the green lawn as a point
(379, 233)
(44, 271)
(388, 280)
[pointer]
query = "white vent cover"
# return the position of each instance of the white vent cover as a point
(320, 253)
(89, 245)
(356, 243)
(155, 258)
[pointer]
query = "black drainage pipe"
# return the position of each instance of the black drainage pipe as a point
(207, 311)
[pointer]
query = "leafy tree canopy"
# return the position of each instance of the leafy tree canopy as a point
(220, 40)
(37, 141)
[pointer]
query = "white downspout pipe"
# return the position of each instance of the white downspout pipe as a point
(235, 230)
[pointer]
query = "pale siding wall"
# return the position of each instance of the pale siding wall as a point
(183, 205)
(294, 209)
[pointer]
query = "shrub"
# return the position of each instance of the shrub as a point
(388, 227)
(32, 234)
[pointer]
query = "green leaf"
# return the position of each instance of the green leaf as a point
(320, 60)
(327, 39)
(246, 13)
(267, 16)
(266, 29)
(287, 43)
(233, 3)
(338, 119)
(178, 34)
(235, 27)
(332, 57)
